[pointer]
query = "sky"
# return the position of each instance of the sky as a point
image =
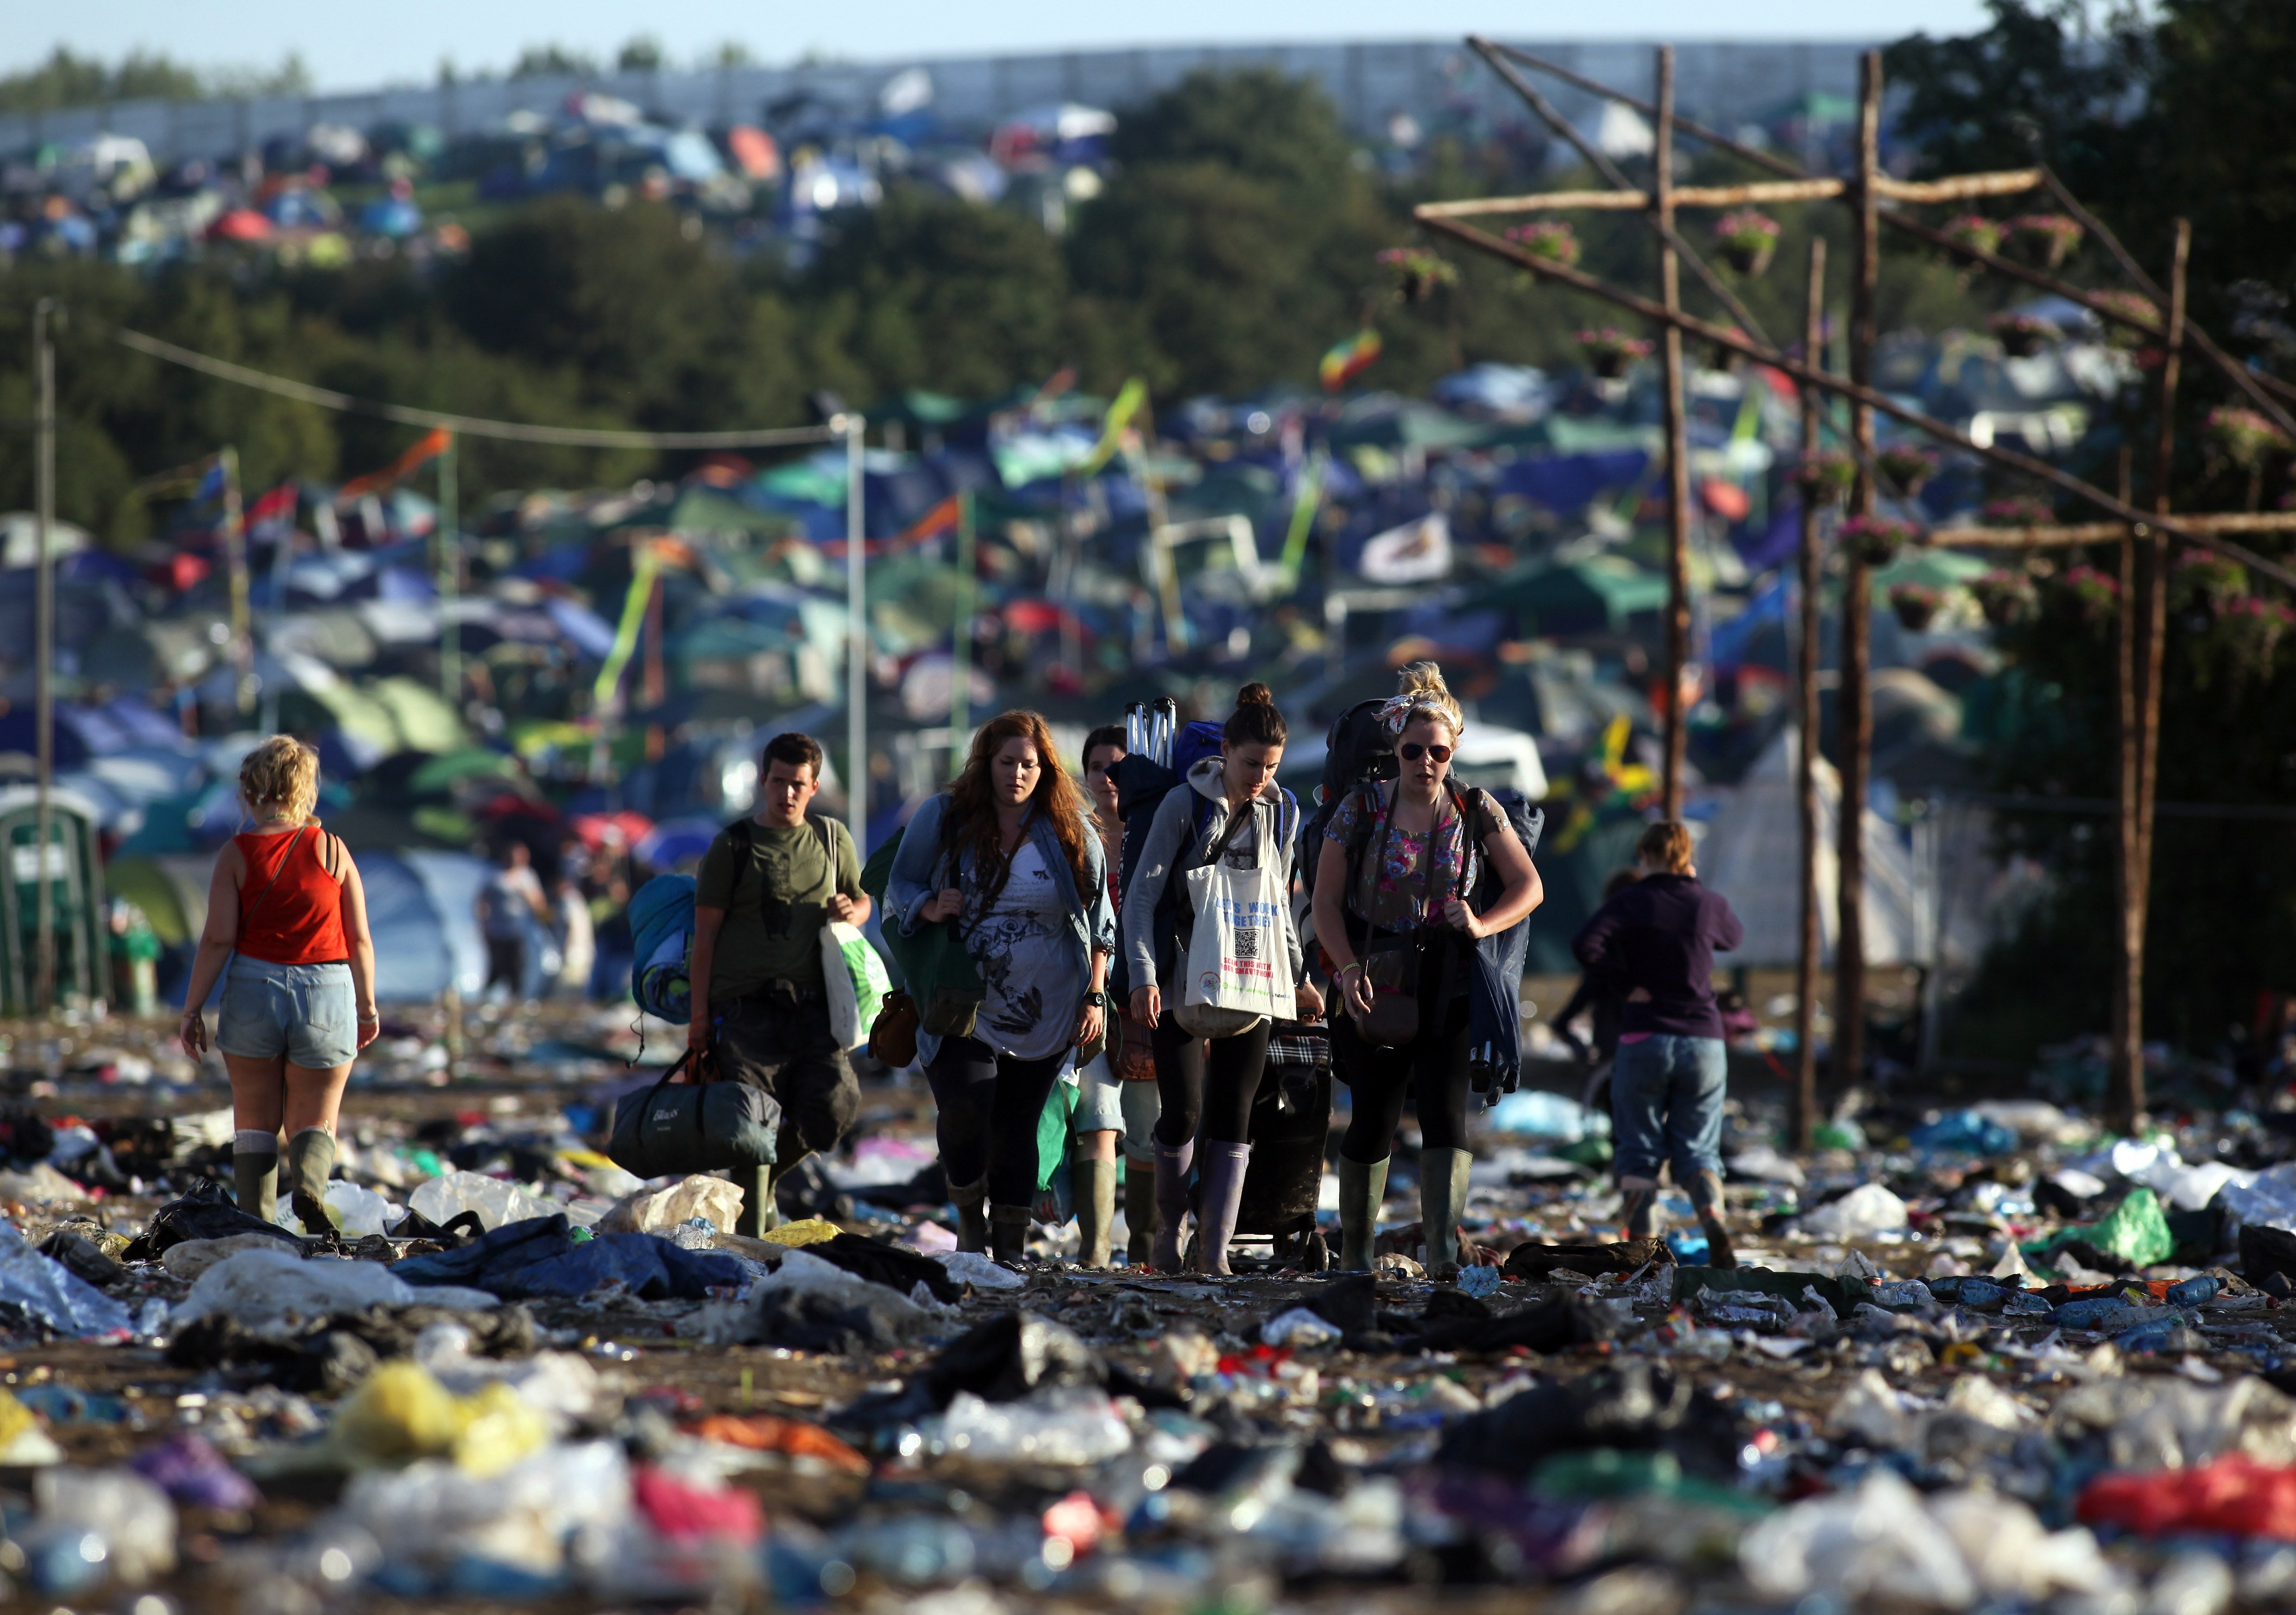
(357, 47)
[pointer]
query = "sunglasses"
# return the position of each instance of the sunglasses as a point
(1413, 750)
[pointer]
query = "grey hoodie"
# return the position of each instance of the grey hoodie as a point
(1162, 860)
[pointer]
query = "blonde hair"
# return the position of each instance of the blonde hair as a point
(1421, 694)
(280, 778)
(1666, 846)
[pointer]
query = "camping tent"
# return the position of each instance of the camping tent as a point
(1751, 855)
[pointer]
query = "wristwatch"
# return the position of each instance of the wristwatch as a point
(1095, 1000)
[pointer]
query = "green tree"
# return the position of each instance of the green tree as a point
(67, 80)
(553, 62)
(641, 53)
(644, 321)
(942, 293)
(2059, 75)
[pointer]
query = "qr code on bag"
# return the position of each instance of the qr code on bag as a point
(1247, 942)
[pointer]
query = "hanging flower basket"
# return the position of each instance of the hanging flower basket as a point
(2244, 636)
(1826, 477)
(1916, 604)
(1610, 351)
(1746, 240)
(1908, 465)
(2244, 438)
(2046, 240)
(2019, 512)
(2023, 335)
(2005, 597)
(1975, 231)
(1550, 238)
(1876, 540)
(2128, 338)
(2202, 578)
(1417, 271)
(2084, 594)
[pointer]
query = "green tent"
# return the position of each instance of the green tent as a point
(1596, 595)
(702, 509)
(1933, 568)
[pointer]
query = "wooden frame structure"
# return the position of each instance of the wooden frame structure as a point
(2142, 533)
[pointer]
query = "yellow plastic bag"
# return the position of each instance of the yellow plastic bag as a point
(812, 1231)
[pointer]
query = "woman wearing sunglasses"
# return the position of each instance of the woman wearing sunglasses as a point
(1391, 913)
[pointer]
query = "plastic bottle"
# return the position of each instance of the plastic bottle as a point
(1073, 1425)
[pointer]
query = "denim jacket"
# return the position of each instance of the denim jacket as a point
(919, 870)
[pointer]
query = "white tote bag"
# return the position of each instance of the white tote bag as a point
(856, 981)
(1239, 969)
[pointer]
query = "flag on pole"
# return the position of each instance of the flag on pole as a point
(211, 485)
(431, 445)
(1126, 405)
(274, 509)
(1349, 358)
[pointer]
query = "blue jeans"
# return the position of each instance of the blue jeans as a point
(1666, 1105)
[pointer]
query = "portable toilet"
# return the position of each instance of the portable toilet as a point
(74, 872)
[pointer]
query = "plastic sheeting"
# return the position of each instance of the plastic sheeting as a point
(47, 1293)
(1752, 855)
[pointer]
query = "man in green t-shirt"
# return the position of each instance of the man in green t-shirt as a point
(765, 889)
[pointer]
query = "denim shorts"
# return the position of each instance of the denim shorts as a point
(1100, 1100)
(302, 1011)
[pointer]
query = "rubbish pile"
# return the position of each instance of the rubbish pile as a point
(1984, 1357)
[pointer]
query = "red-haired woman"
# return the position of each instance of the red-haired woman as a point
(1008, 855)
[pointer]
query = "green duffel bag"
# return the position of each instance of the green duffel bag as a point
(676, 1129)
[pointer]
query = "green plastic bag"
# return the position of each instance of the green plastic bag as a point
(2137, 1230)
(1053, 1131)
(856, 981)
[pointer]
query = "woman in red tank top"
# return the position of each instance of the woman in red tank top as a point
(286, 911)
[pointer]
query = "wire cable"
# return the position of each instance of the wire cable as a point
(512, 431)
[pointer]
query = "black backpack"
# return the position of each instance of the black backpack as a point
(1357, 750)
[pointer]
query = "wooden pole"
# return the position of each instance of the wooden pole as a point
(2125, 1078)
(1853, 704)
(2208, 533)
(2256, 384)
(2149, 617)
(1804, 1110)
(1677, 449)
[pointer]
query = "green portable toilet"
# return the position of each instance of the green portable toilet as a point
(75, 877)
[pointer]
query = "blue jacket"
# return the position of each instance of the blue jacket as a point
(919, 870)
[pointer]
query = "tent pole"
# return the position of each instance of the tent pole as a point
(857, 629)
(1813, 404)
(1854, 702)
(44, 650)
(960, 660)
(1678, 447)
(450, 578)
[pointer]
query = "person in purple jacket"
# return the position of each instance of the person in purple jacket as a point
(1655, 943)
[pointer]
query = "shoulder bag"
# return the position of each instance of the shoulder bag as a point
(677, 1129)
(1393, 1020)
(1239, 972)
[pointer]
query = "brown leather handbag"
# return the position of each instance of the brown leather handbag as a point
(893, 1039)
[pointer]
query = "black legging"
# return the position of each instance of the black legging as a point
(1217, 1089)
(1433, 1066)
(989, 1104)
